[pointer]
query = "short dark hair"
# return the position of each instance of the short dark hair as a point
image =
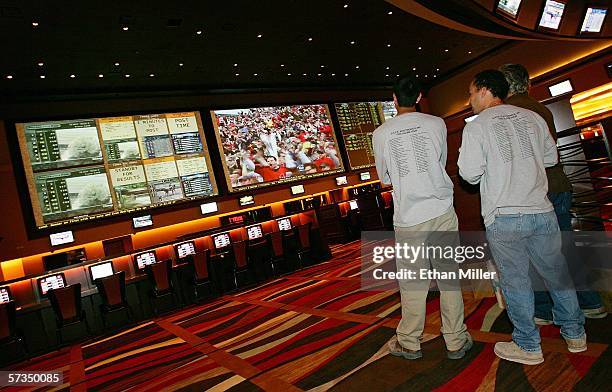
(517, 77)
(406, 89)
(494, 81)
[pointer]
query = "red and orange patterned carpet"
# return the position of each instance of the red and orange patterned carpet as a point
(317, 330)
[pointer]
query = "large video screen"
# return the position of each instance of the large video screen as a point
(358, 120)
(82, 169)
(270, 145)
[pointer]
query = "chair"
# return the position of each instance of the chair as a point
(112, 291)
(160, 277)
(199, 265)
(8, 333)
(68, 308)
(277, 252)
(241, 264)
(303, 235)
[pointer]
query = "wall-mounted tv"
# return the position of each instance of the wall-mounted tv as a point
(270, 145)
(101, 270)
(209, 208)
(222, 240)
(142, 221)
(5, 295)
(358, 120)
(509, 7)
(552, 14)
(561, 88)
(65, 237)
(185, 249)
(284, 224)
(254, 232)
(82, 169)
(50, 282)
(594, 19)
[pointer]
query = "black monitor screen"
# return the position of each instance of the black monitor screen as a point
(221, 240)
(102, 270)
(51, 282)
(185, 249)
(145, 258)
(254, 232)
(55, 261)
(5, 294)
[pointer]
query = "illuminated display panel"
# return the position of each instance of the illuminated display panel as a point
(254, 232)
(49, 282)
(185, 249)
(271, 145)
(297, 189)
(5, 295)
(353, 204)
(552, 14)
(342, 180)
(222, 240)
(101, 270)
(84, 169)
(509, 7)
(142, 221)
(593, 20)
(145, 258)
(284, 224)
(358, 120)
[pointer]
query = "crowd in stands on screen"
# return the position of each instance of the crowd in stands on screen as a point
(268, 144)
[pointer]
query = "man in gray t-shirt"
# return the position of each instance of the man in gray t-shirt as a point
(410, 152)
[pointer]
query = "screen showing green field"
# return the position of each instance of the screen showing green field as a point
(89, 168)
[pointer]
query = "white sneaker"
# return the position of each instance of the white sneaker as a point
(511, 352)
(576, 345)
(540, 321)
(595, 313)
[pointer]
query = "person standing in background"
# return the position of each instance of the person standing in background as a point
(559, 194)
(410, 153)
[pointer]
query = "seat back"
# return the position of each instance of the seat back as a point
(112, 289)
(7, 320)
(66, 302)
(303, 232)
(160, 275)
(240, 253)
(275, 240)
(199, 263)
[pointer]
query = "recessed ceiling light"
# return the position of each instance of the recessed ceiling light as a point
(151, 75)
(304, 74)
(255, 74)
(125, 28)
(425, 75)
(356, 67)
(35, 24)
(345, 74)
(127, 75)
(437, 69)
(237, 74)
(390, 13)
(42, 76)
(352, 42)
(318, 74)
(289, 74)
(470, 52)
(259, 35)
(282, 65)
(41, 64)
(387, 75)
(116, 64)
(417, 76)
(101, 75)
(181, 64)
(397, 75)
(414, 68)
(235, 64)
(420, 48)
(346, 6)
(446, 50)
(9, 76)
(309, 38)
(333, 74)
(322, 66)
(388, 45)
(435, 76)
(72, 76)
(388, 68)
(199, 32)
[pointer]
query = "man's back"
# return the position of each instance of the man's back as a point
(506, 149)
(410, 152)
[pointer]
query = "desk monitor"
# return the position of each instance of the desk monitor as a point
(254, 232)
(5, 295)
(284, 224)
(364, 176)
(353, 204)
(101, 270)
(50, 282)
(222, 240)
(184, 249)
(145, 258)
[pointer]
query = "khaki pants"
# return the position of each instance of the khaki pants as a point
(443, 231)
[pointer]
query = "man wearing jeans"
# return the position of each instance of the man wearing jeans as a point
(560, 195)
(506, 150)
(410, 153)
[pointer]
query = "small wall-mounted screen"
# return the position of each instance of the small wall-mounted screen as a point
(50, 282)
(364, 176)
(65, 237)
(185, 249)
(297, 189)
(353, 204)
(552, 14)
(561, 88)
(509, 7)
(145, 258)
(222, 240)
(284, 224)
(142, 221)
(254, 232)
(208, 208)
(101, 270)
(5, 294)
(341, 180)
(246, 200)
(593, 20)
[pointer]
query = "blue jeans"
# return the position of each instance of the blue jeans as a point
(587, 299)
(514, 241)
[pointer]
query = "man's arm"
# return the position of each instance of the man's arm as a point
(551, 155)
(471, 161)
(379, 158)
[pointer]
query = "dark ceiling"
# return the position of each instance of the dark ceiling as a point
(303, 44)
